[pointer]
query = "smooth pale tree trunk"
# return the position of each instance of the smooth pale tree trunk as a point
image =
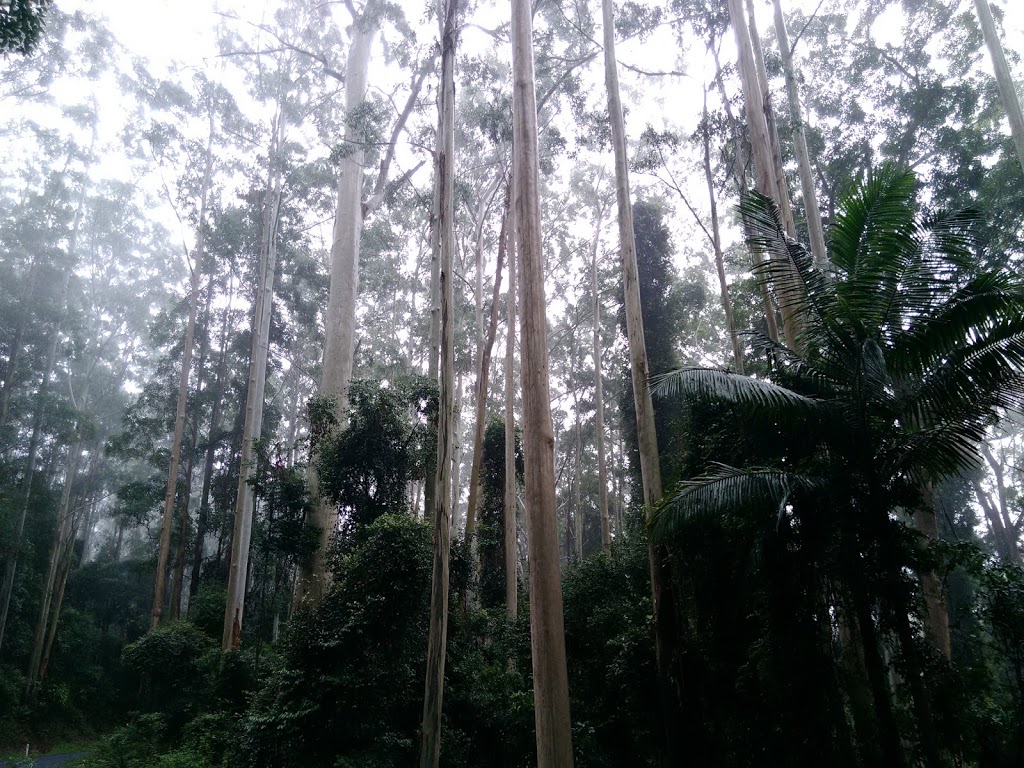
(602, 463)
(650, 470)
(457, 458)
(434, 298)
(509, 506)
(340, 330)
(577, 469)
(716, 243)
(483, 377)
(782, 188)
(761, 147)
(739, 175)
(167, 521)
(1007, 89)
(815, 230)
(437, 638)
(547, 631)
(11, 568)
(245, 501)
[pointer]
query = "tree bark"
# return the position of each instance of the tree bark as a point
(547, 633)
(739, 176)
(663, 602)
(433, 694)
(179, 419)
(483, 377)
(602, 463)
(340, 331)
(1004, 80)
(761, 146)
(245, 497)
(815, 230)
(510, 507)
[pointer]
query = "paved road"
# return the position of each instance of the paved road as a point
(44, 761)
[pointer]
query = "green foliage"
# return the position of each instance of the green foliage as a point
(801, 486)
(21, 24)
(491, 530)
(365, 468)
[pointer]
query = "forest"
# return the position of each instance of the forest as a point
(515, 383)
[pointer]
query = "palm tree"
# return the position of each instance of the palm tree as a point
(909, 350)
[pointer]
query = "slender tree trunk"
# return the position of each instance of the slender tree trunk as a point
(577, 469)
(730, 319)
(179, 419)
(815, 229)
(761, 145)
(547, 633)
(650, 471)
(511, 529)
(739, 174)
(340, 326)
(213, 438)
(782, 188)
(483, 376)
(251, 432)
(434, 298)
(433, 693)
(60, 534)
(67, 551)
(1004, 80)
(457, 459)
(602, 464)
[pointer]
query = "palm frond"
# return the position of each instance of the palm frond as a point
(726, 490)
(727, 387)
(786, 265)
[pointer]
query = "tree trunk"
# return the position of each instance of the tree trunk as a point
(67, 551)
(60, 534)
(650, 471)
(742, 189)
(602, 464)
(483, 376)
(761, 146)
(936, 614)
(511, 529)
(782, 188)
(179, 419)
(340, 325)
(211, 449)
(251, 432)
(547, 633)
(1007, 89)
(716, 242)
(815, 229)
(457, 454)
(577, 469)
(433, 693)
